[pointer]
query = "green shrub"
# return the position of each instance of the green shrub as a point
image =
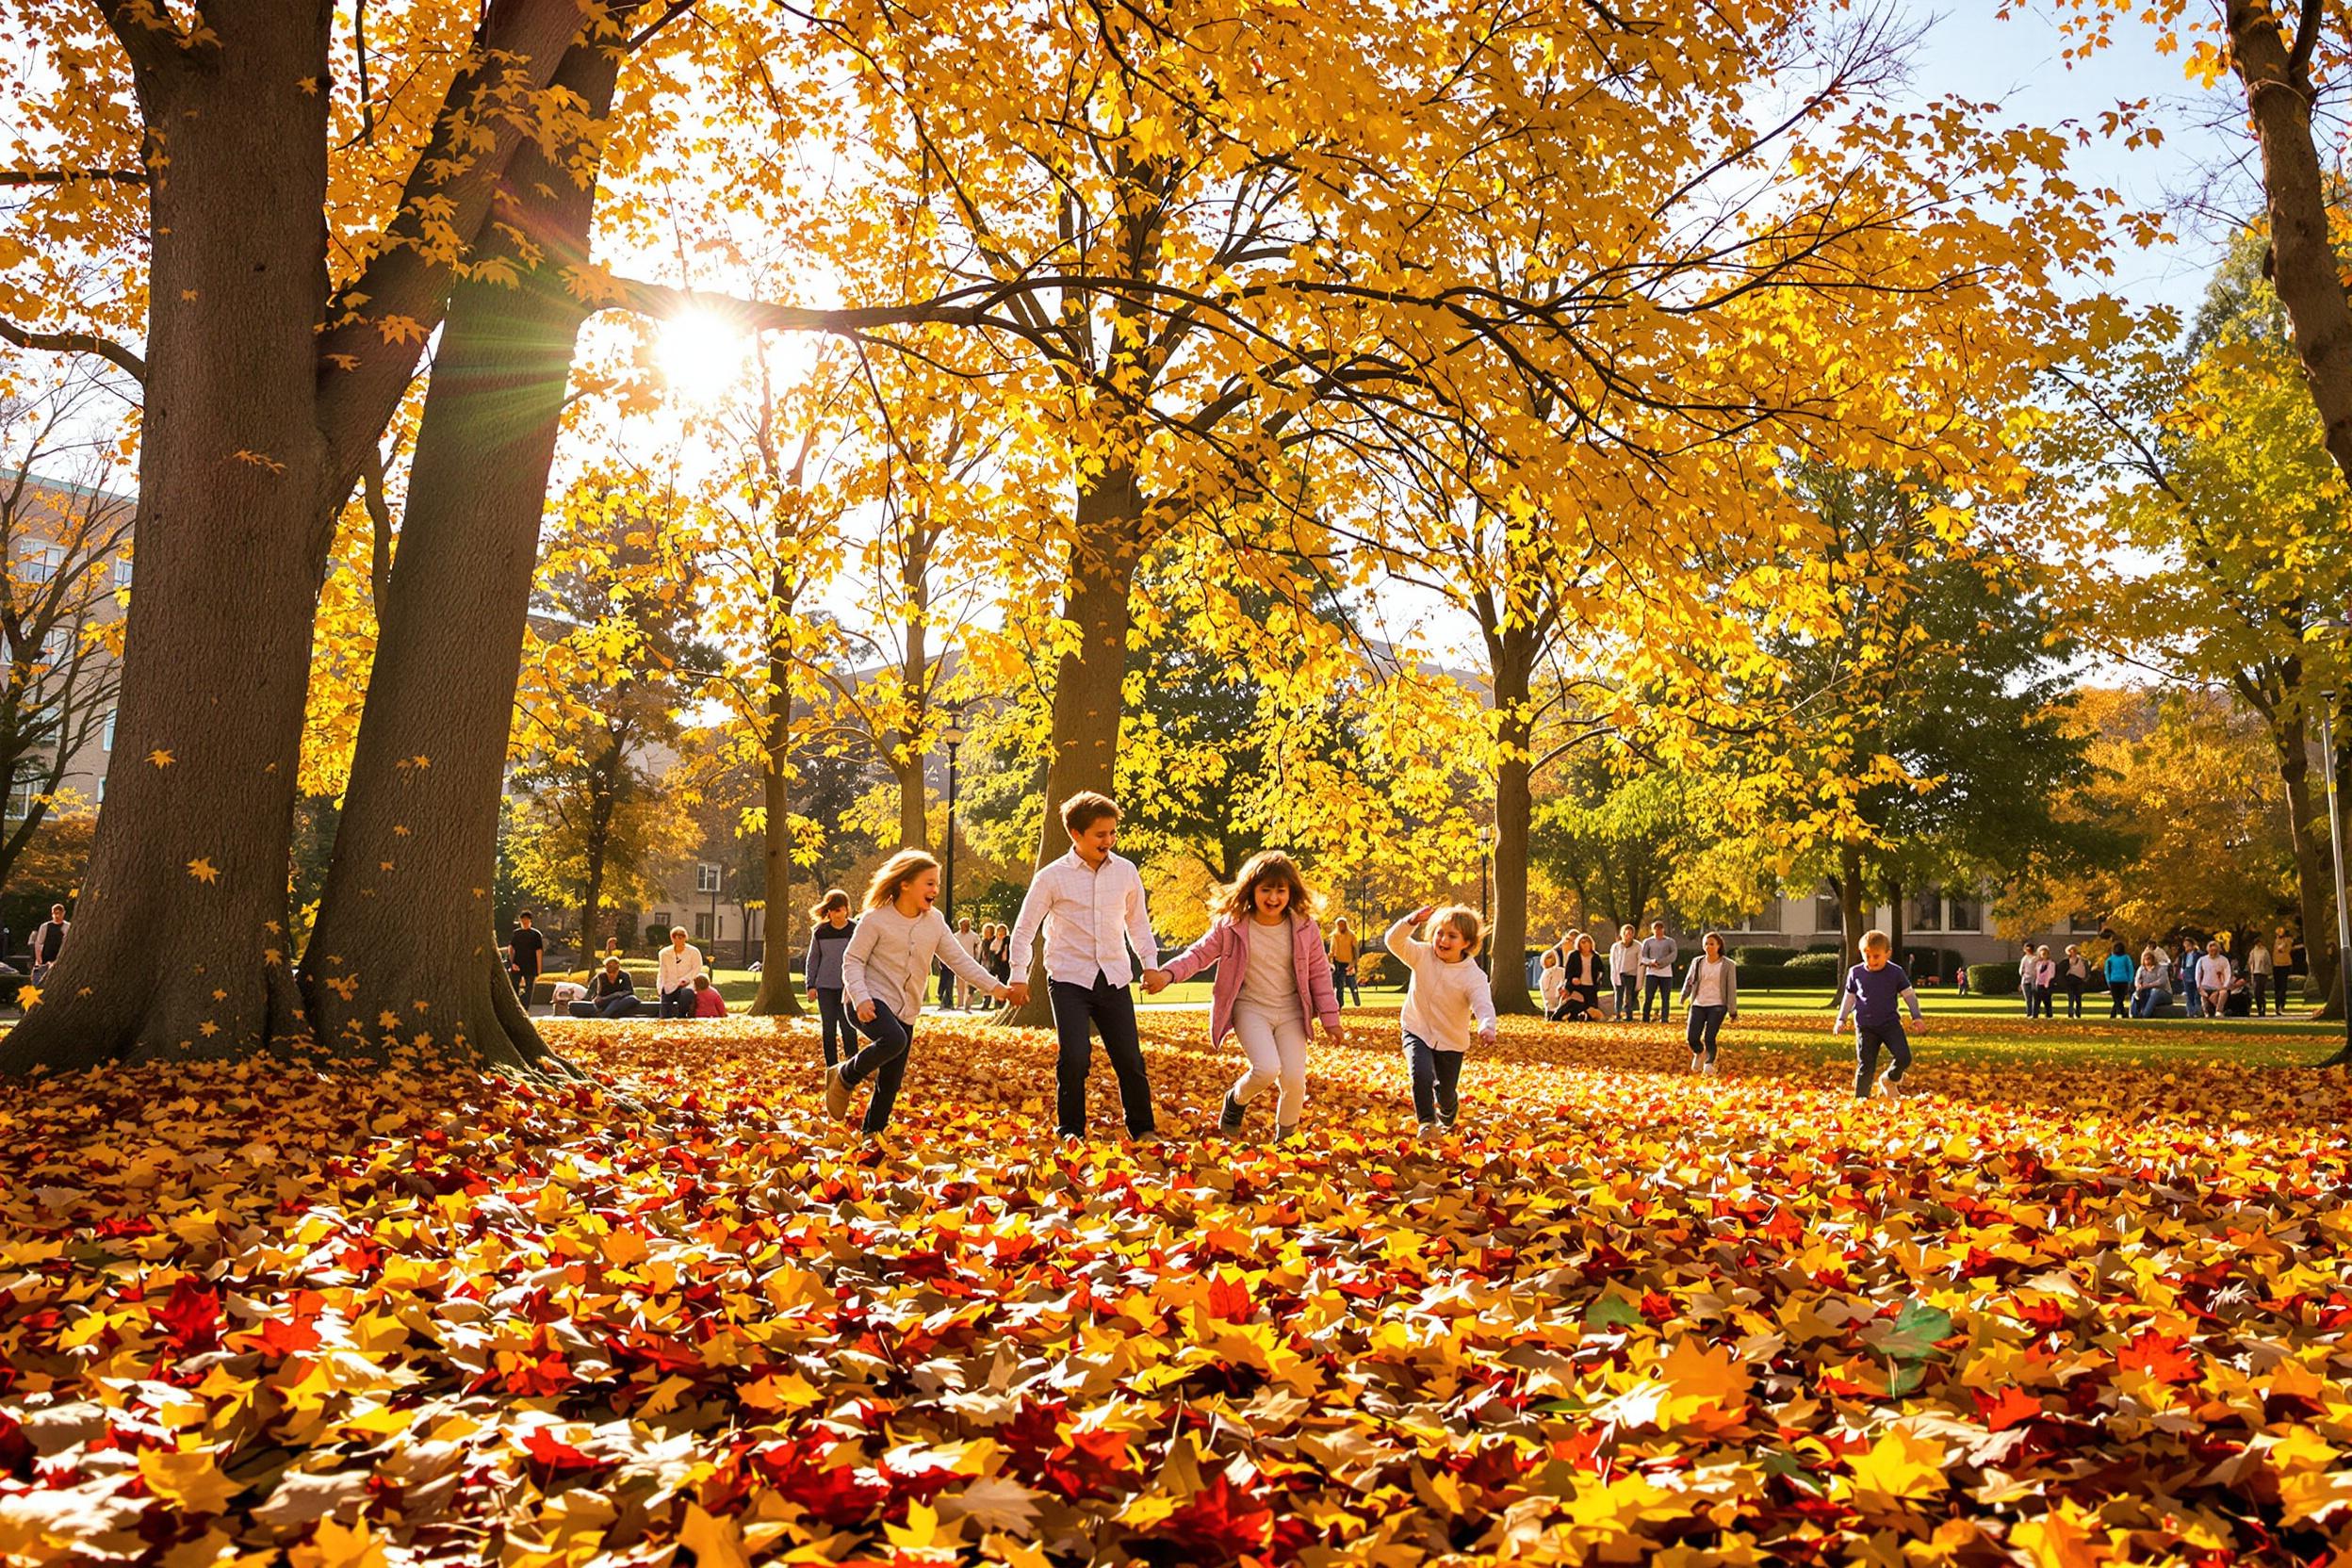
(1816, 961)
(1993, 979)
(1763, 956)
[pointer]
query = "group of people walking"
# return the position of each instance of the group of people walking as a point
(2208, 982)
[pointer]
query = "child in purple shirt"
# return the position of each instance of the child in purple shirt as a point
(1876, 991)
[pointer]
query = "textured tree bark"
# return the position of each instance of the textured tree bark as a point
(1514, 654)
(1090, 682)
(404, 923)
(777, 997)
(2304, 267)
(250, 442)
(179, 945)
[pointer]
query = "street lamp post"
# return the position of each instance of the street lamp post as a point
(716, 883)
(2335, 844)
(954, 736)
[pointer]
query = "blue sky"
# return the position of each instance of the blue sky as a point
(1970, 52)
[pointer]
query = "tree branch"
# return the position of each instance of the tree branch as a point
(70, 176)
(76, 343)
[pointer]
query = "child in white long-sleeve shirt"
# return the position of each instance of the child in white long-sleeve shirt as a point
(888, 957)
(1446, 994)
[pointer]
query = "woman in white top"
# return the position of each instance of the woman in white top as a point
(899, 938)
(1710, 994)
(675, 971)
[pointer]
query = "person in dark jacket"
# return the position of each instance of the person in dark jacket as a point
(822, 972)
(611, 993)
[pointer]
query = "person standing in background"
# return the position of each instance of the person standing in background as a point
(1625, 971)
(49, 941)
(2282, 958)
(530, 951)
(1658, 972)
(2258, 977)
(1344, 958)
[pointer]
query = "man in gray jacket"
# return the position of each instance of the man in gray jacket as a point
(1658, 972)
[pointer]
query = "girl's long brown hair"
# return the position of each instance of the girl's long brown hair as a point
(895, 874)
(1268, 865)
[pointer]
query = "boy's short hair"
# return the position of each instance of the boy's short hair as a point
(525, 914)
(1085, 809)
(702, 981)
(1460, 918)
(1875, 940)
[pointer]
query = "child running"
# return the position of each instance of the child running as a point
(1710, 994)
(1273, 982)
(1444, 995)
(828, 941)
(883, 972)
(1874, 991)
(1090, 906)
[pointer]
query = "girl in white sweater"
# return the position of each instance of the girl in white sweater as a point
(1447, 993)
(899, 938)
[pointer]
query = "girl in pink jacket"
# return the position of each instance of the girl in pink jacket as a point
(1273, 981)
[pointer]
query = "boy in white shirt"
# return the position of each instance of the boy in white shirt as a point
(1090, 906)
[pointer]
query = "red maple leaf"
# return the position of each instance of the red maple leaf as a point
(1219, 1523)
(191, 1316)
(2013, 1407)
(554, 1459)
(2160, 1356)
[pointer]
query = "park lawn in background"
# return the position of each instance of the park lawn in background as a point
(2078, 1299)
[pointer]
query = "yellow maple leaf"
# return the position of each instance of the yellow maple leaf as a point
(780, 1391)
(334, 1546)
(188, 1477)
(1698, 1371)
(28, 996)
(1900, 1465)
(203, 870)
(716, 1542)
(159, 758)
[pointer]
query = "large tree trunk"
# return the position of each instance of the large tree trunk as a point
(179, 945)
(1894, 916)
(1512, 653)
(2311, 862)
(777, 997)
(257, 414)
(1850, 916)
(1089, 683)
(2304, 269)
(406, 923)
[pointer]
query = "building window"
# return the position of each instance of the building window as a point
(1765, 920)
(1927, 909)
(702, 926)
(20, 802)
(1828, 914)
(707, 878)
(43, 561)
(105, 737)
(122, 572)
(1968, 914)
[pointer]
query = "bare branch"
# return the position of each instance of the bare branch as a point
(76, 343)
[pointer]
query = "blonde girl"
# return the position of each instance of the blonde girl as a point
(898, 938)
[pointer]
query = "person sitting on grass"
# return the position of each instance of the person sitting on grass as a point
(708, 1001)
(611, 993)
(1554, 983)
(2212, 980)
(674, 972)
(2150, 992)
(1875, 992)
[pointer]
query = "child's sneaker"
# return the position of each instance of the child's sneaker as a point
(1697, 1064)
(1890, 1085)
(1426, 1131)
(837, 1091)
(1229, 1120)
